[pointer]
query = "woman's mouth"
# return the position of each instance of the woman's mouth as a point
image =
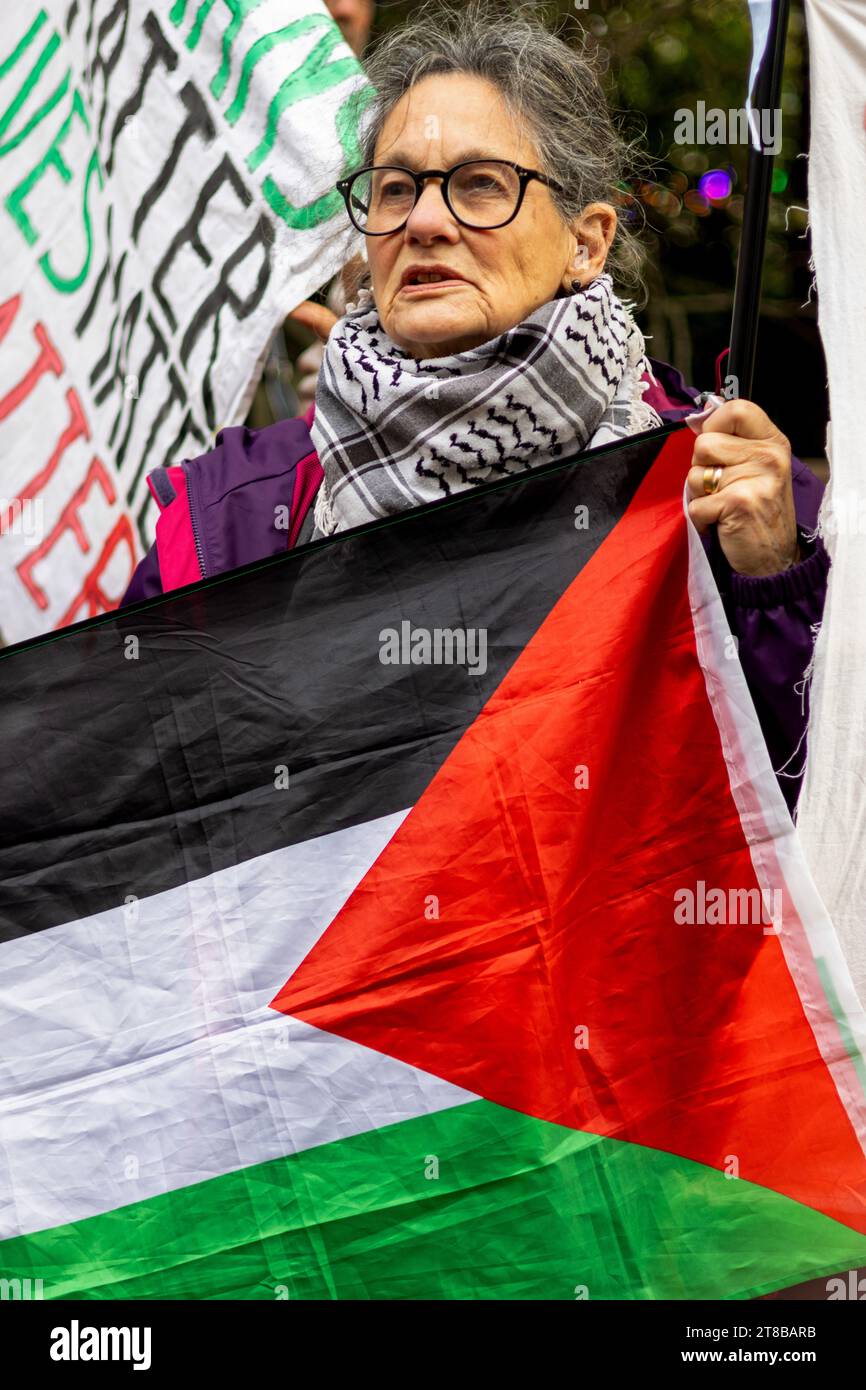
(420, 282)
(429, 286)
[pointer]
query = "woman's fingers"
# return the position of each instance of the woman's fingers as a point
(739, 457)
(723, 451)
(739, 504)
(740, 482)
(705, 511)
(743, 419)
(317, 317)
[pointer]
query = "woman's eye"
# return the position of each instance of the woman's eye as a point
(483, 185)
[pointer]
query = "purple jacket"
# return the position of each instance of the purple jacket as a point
(250, 495)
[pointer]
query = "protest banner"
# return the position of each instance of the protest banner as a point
(167, 176)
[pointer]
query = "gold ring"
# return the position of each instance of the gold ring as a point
(712, 478)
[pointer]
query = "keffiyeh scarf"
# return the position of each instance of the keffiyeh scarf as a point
(392, 432)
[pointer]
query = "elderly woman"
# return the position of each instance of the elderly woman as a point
(489, 338)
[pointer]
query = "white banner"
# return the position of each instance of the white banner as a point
(166, 196)
(832, 817)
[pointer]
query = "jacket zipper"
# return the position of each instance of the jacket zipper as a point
(195, 535)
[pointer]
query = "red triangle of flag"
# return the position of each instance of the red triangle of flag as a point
(517, 936)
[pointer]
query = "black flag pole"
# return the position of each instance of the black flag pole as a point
(756, 209)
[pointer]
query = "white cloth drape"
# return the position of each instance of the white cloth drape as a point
(832, 816)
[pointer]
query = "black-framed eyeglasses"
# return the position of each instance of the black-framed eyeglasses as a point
(479, 193)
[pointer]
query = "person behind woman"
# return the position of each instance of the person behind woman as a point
(489, 338)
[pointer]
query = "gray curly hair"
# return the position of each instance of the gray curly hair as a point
(553, 88)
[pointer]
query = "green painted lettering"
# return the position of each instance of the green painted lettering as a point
(263, 46)
(321, 209)
(315, 75)
(18, 101)
(53, 159)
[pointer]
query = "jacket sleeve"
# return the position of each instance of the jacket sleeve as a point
(775, 619)
(146, 582)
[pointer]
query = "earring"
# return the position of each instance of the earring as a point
(575, 286)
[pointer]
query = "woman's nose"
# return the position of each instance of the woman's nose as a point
(430, 216)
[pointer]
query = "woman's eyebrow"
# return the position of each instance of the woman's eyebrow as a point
(406, 161)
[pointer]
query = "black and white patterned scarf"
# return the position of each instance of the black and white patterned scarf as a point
(393, 433)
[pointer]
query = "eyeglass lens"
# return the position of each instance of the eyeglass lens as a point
(483, 194)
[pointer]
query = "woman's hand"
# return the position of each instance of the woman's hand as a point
(753, 506)
(319, 318)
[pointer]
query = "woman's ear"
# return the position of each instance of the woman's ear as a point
(594, 231)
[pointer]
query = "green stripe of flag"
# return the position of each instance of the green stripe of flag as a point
(466, 1203)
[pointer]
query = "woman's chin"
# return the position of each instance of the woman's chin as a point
(433, 330)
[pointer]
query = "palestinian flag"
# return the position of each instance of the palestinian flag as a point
(416, 915)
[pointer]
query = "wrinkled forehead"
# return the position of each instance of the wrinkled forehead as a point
(446, 118)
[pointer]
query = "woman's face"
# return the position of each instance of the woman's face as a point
(506, 272)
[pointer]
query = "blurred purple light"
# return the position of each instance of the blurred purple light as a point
(716, 184)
